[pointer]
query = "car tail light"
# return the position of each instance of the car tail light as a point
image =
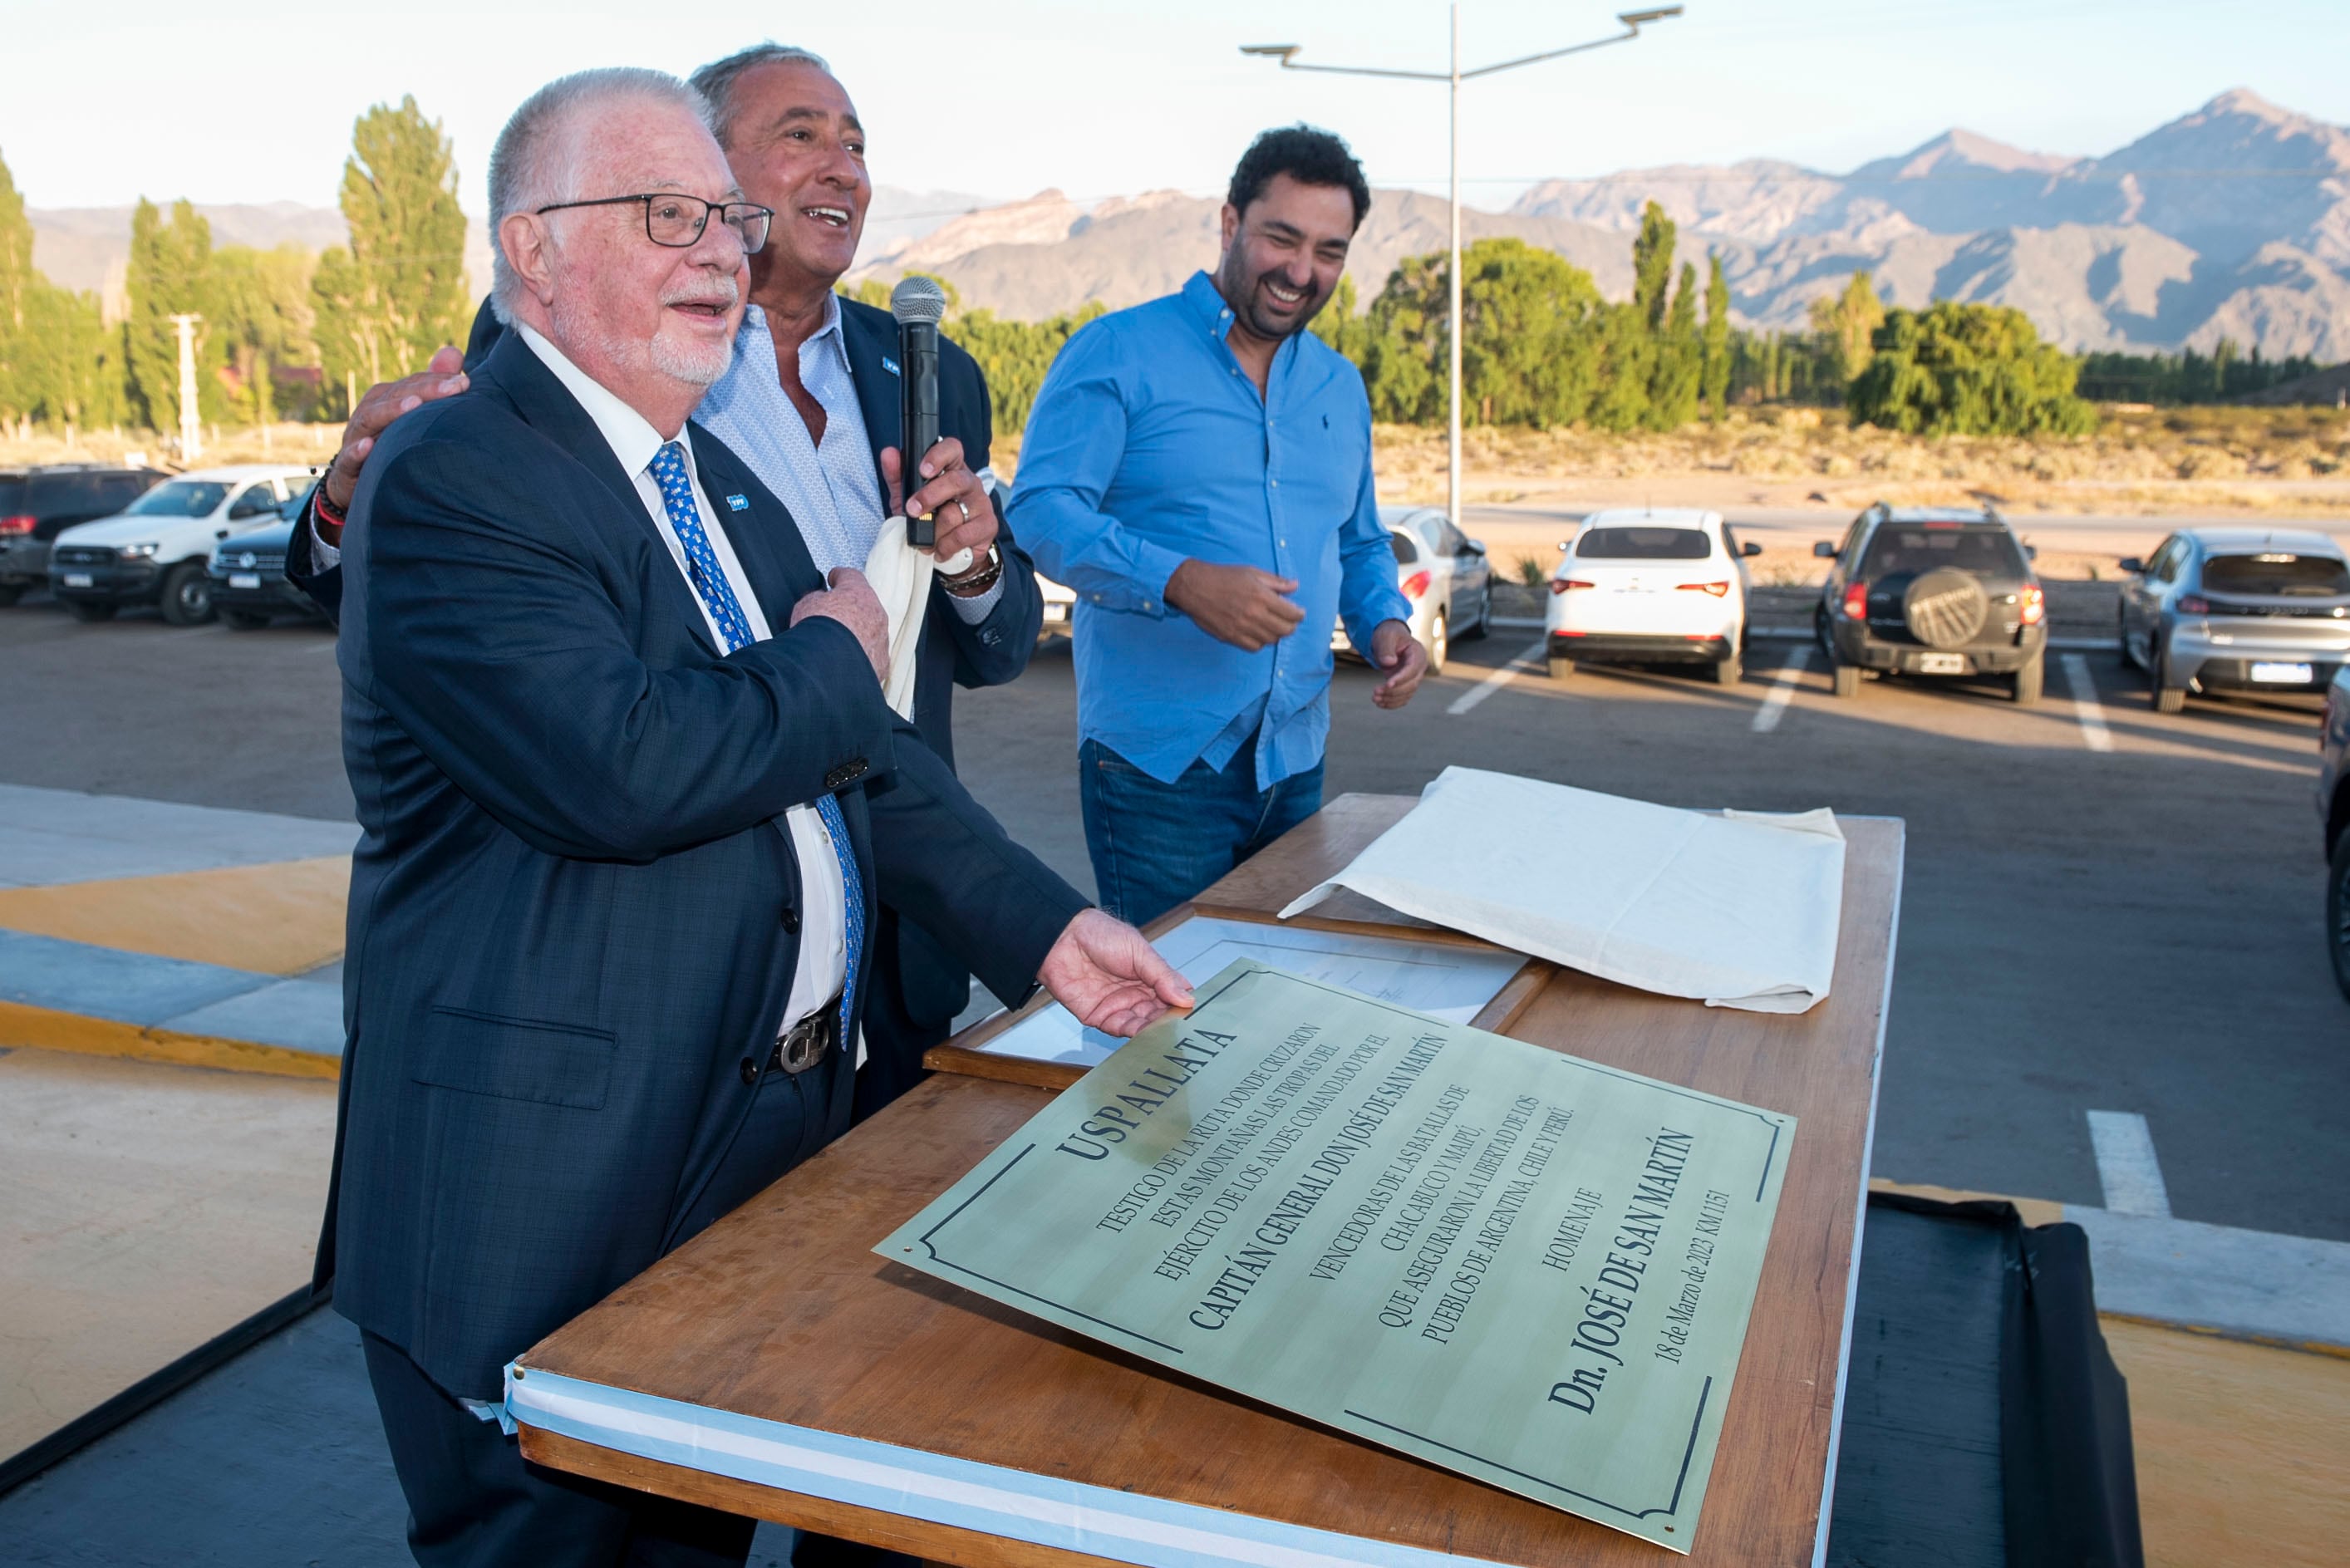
(1716, 589)
(1855, 601)
(1415, 585)
(2034, 603)
(22, 523)
(1560, 584)
(2194, 604)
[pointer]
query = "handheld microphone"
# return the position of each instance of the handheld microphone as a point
(919, 304)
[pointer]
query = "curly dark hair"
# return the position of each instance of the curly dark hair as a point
(1308, 155)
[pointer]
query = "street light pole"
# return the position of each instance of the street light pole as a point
(191, 429)
(1632, 21)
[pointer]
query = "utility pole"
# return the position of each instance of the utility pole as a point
(1631, 21)
(191, 429)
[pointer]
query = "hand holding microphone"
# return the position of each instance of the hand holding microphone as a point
(949, 512)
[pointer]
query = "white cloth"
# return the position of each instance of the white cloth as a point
(1741, 909)
(829, 486)
(822, 967)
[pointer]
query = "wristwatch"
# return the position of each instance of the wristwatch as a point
(977, 580)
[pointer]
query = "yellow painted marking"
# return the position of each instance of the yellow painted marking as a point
(47, 1029)
(282, 919)
(2034, 1210)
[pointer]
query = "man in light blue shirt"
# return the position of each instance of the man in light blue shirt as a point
(1198, 470)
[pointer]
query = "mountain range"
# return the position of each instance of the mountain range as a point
(2231, 221)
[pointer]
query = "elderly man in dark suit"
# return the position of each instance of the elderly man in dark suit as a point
(628, 788)
(811, 404)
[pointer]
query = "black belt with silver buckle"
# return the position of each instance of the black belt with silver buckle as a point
(807, 1043)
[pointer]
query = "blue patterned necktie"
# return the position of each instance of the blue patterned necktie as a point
(710, 582)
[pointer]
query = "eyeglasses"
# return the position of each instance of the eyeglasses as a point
(678, 220)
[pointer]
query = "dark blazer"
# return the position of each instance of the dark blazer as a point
(932, 986)
(574, 909)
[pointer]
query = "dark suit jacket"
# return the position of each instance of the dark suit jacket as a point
(953, 651)
(573, 910)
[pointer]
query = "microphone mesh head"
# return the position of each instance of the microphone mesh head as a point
(917, 299)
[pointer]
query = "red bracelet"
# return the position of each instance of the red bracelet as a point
(324, 509)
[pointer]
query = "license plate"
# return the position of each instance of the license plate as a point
(77, 579)
(1057, 612)
(2283, 674)
(244, 579)
(1942, 664)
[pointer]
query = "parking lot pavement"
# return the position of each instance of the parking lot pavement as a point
(2130, 926)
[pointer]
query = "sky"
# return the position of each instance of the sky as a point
(252, 101)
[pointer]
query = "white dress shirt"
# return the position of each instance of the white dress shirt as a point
(823, 963)
(830, 485)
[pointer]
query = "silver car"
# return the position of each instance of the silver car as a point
(2260, 609)
(1443, 573)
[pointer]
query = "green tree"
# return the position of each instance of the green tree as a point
(1407, 359)
(1529, 348)
(1014, 355)
(1342, 325)
(171, 273)
(1967, 369)
(1846, 324)
(16, 280)
(1717, 340)
(397, 291)
(1681, 360)
(262, 302)
(71, 364)
(1652, 265)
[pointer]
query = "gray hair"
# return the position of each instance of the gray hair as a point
(716, 80)
(536, 160)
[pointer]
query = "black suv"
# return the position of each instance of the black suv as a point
(1933, 591)
(37, 504)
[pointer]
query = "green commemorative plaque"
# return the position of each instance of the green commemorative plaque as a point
(1533, 1270)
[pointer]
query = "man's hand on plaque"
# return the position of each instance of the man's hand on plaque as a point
(1109, 977)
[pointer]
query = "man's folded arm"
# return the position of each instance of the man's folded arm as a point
(942, 861)
(500, 654)
(1074, 442)
(308, 566)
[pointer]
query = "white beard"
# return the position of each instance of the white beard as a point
(695, 364)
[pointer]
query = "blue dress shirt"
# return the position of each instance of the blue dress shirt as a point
(1149, 444)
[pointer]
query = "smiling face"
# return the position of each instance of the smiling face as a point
(1283, 254)
(797, 147)
(654, 324)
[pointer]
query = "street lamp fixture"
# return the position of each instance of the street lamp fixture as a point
(1631, 22)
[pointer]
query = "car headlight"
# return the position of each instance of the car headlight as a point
(136, 552)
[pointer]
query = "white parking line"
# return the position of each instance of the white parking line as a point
(1766, 717)
(2127, 1167)
(1496, 681)
(2085, 704)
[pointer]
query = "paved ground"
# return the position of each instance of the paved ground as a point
(2106, 909)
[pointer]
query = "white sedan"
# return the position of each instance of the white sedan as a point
(1642, 585)
(1442, 571)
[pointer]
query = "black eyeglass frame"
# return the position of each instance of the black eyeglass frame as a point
(751, 209)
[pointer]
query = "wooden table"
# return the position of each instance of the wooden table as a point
(776, 1367)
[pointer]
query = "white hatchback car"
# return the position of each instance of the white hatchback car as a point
(1662, 585)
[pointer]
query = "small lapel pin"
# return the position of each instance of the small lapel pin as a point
(738, 504)
(890, 365)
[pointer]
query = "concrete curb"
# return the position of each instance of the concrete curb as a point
(63, 995)
(1797, 634)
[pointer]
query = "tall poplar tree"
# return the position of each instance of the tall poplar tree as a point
(397, 291)
(1717, 340)
(171, 273)
(1652, 265)
(1846, 324)
(16, 288)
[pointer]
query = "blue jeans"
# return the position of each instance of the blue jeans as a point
(1156, 844)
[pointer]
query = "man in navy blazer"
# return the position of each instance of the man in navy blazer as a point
(816, 388)
(627, 787)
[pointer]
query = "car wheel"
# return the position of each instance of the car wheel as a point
(2027, 683)
(10, 593)
(2337, 912)
(1845, 679)
(187, 594)
(1560, 669)
(244, 620)
(1438, 645)
(1730, 669)
(84, 611)
(2161, 695)
(1484, 621)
